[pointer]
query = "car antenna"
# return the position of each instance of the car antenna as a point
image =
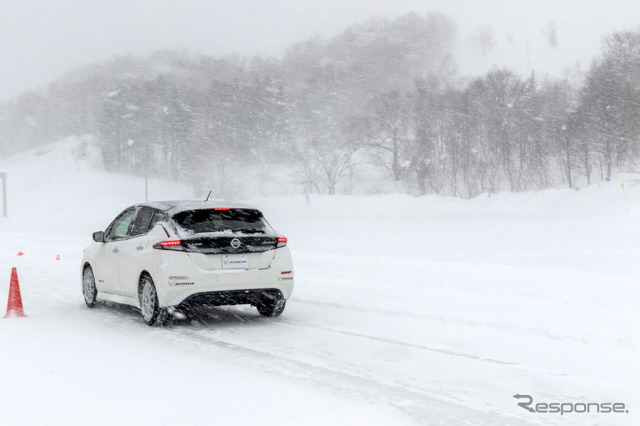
(207, 199)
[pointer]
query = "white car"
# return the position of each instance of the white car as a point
(163, 256)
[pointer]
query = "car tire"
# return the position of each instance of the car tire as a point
(89, 289)
(271, 307)
(151, 312)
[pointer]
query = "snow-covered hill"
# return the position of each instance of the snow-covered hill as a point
(406, 310)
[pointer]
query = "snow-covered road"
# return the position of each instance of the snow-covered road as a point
(406, 310)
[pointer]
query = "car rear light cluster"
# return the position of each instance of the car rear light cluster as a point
(169, 245)
(198, 246)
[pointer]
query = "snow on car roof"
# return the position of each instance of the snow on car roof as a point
(182, 205)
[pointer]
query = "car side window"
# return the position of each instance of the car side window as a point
(120, 226)
(142, 222)
(157, 217)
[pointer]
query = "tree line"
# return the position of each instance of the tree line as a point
(378, 107)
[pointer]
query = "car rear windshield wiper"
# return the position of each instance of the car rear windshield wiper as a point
(249, 230)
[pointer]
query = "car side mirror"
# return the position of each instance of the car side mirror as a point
(98, 237)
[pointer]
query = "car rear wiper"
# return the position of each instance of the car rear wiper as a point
(249, 230)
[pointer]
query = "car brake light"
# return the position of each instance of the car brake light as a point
(169, 245)
(282, 241)
(222, 209)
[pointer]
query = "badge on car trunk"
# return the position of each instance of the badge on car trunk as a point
(235, 261)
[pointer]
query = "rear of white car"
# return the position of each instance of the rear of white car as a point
(163, 256)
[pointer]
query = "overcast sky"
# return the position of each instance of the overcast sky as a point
(42, 39)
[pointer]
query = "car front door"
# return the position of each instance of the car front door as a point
(106, 268)
(132, 251)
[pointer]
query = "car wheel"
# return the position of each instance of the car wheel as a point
(152, 314)
(271, 307)
(89, 287)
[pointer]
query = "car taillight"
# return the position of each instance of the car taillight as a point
(282, 241)
(169, 245)
(222, 209)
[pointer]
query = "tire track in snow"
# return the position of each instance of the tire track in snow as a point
(422, 405)
(396, 342)
(425, 406)
(457, 320)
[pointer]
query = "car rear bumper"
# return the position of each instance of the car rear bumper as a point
(182, 282)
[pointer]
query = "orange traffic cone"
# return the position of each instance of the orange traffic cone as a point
(14, 305)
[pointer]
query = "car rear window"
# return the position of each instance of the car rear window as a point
(211, 220)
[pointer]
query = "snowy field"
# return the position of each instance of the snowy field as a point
(406, 310)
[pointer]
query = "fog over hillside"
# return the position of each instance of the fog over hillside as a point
(40, 40)
(380, 107)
